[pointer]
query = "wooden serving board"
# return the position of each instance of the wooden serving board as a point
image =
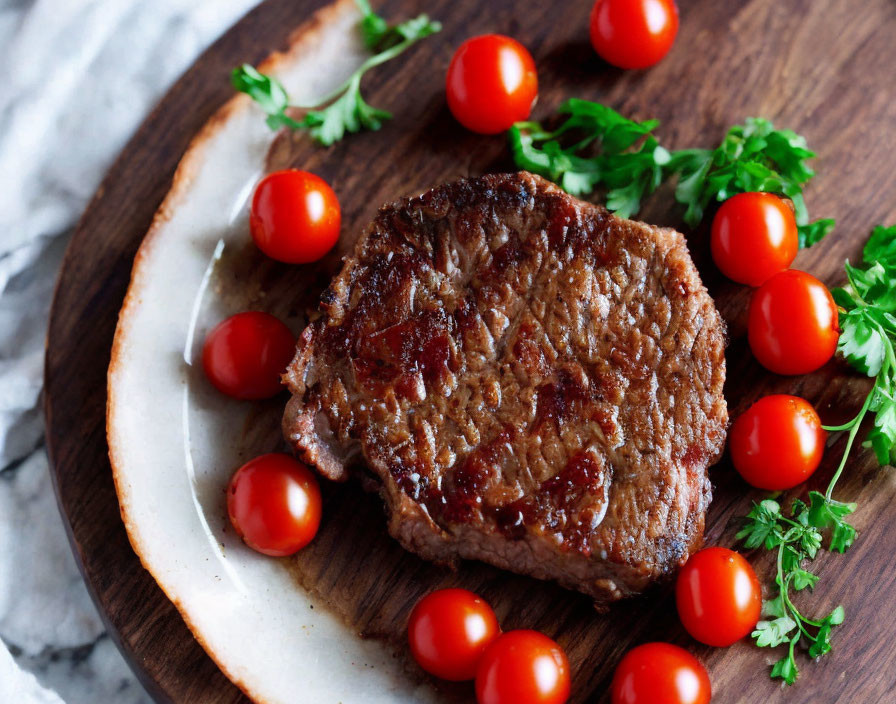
(825, 68)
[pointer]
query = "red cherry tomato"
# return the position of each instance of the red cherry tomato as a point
(660, 673)
(523, 667)
(274, 504)
(633, 33)
(777, 443)
(491, 83)
(792, 326)
(753, 237)
(295, 216)
(718, 596)
(245, 355)
(448, 631)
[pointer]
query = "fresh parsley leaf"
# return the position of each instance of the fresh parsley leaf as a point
(803, 579)
(873, 284)
(373, 27)
(774, 607)
(632, 175)
(810, 542)
(812, 232)
(881, 247)
(824, 512)
(349, 113)
(344, 111)
(861, 341)
(836, 617)
(821, 644)
(827, 514)
(761, 527)
(379, 35)
(418, 27)
(842, 536)
(267, 92)
(615, 132)
(882, 436)
(787, 150)
(791, 556)
(693, 166)
(786, 669)
(771, 634)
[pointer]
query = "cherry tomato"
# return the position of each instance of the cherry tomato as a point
(295, 216)
(244, 355)
(448, 631)
(633, 33)
(274, 504)
(718, 596)
(777, 443)
(753, 237)
(660, 673)
(491, 83)
(792, 326)
(523, 667)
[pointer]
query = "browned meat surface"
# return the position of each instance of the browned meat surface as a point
(531, 381)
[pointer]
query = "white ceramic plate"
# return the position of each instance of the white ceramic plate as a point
(174, 442)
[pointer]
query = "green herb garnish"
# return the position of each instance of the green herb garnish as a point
(346, 110)
(628, 172)
(624, 157)
(752, 157)
(867, 341)
(796, 539)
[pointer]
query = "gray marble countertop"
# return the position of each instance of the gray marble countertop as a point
(79, 76)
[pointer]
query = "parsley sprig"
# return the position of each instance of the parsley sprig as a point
(796, 539)
(624, 157)
(345, 109)
(867, 341)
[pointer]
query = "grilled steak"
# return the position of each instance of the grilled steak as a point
(529, 380)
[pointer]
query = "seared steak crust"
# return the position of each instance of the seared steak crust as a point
(531, 381)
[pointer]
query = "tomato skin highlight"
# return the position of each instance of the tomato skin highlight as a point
(792, 325)
(754, 236)
(244, 355)
(660, 673)
(448, 631)
(523, 667)
(491, 83)
(777, 443)
(633, 34)
(718, 596)
(295, 216)
(274, 504)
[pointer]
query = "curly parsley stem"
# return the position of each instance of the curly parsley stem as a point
(853, 427)
(800, 619)
(793, 642)
(784, 589)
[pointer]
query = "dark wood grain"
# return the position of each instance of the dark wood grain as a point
(822, 67)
